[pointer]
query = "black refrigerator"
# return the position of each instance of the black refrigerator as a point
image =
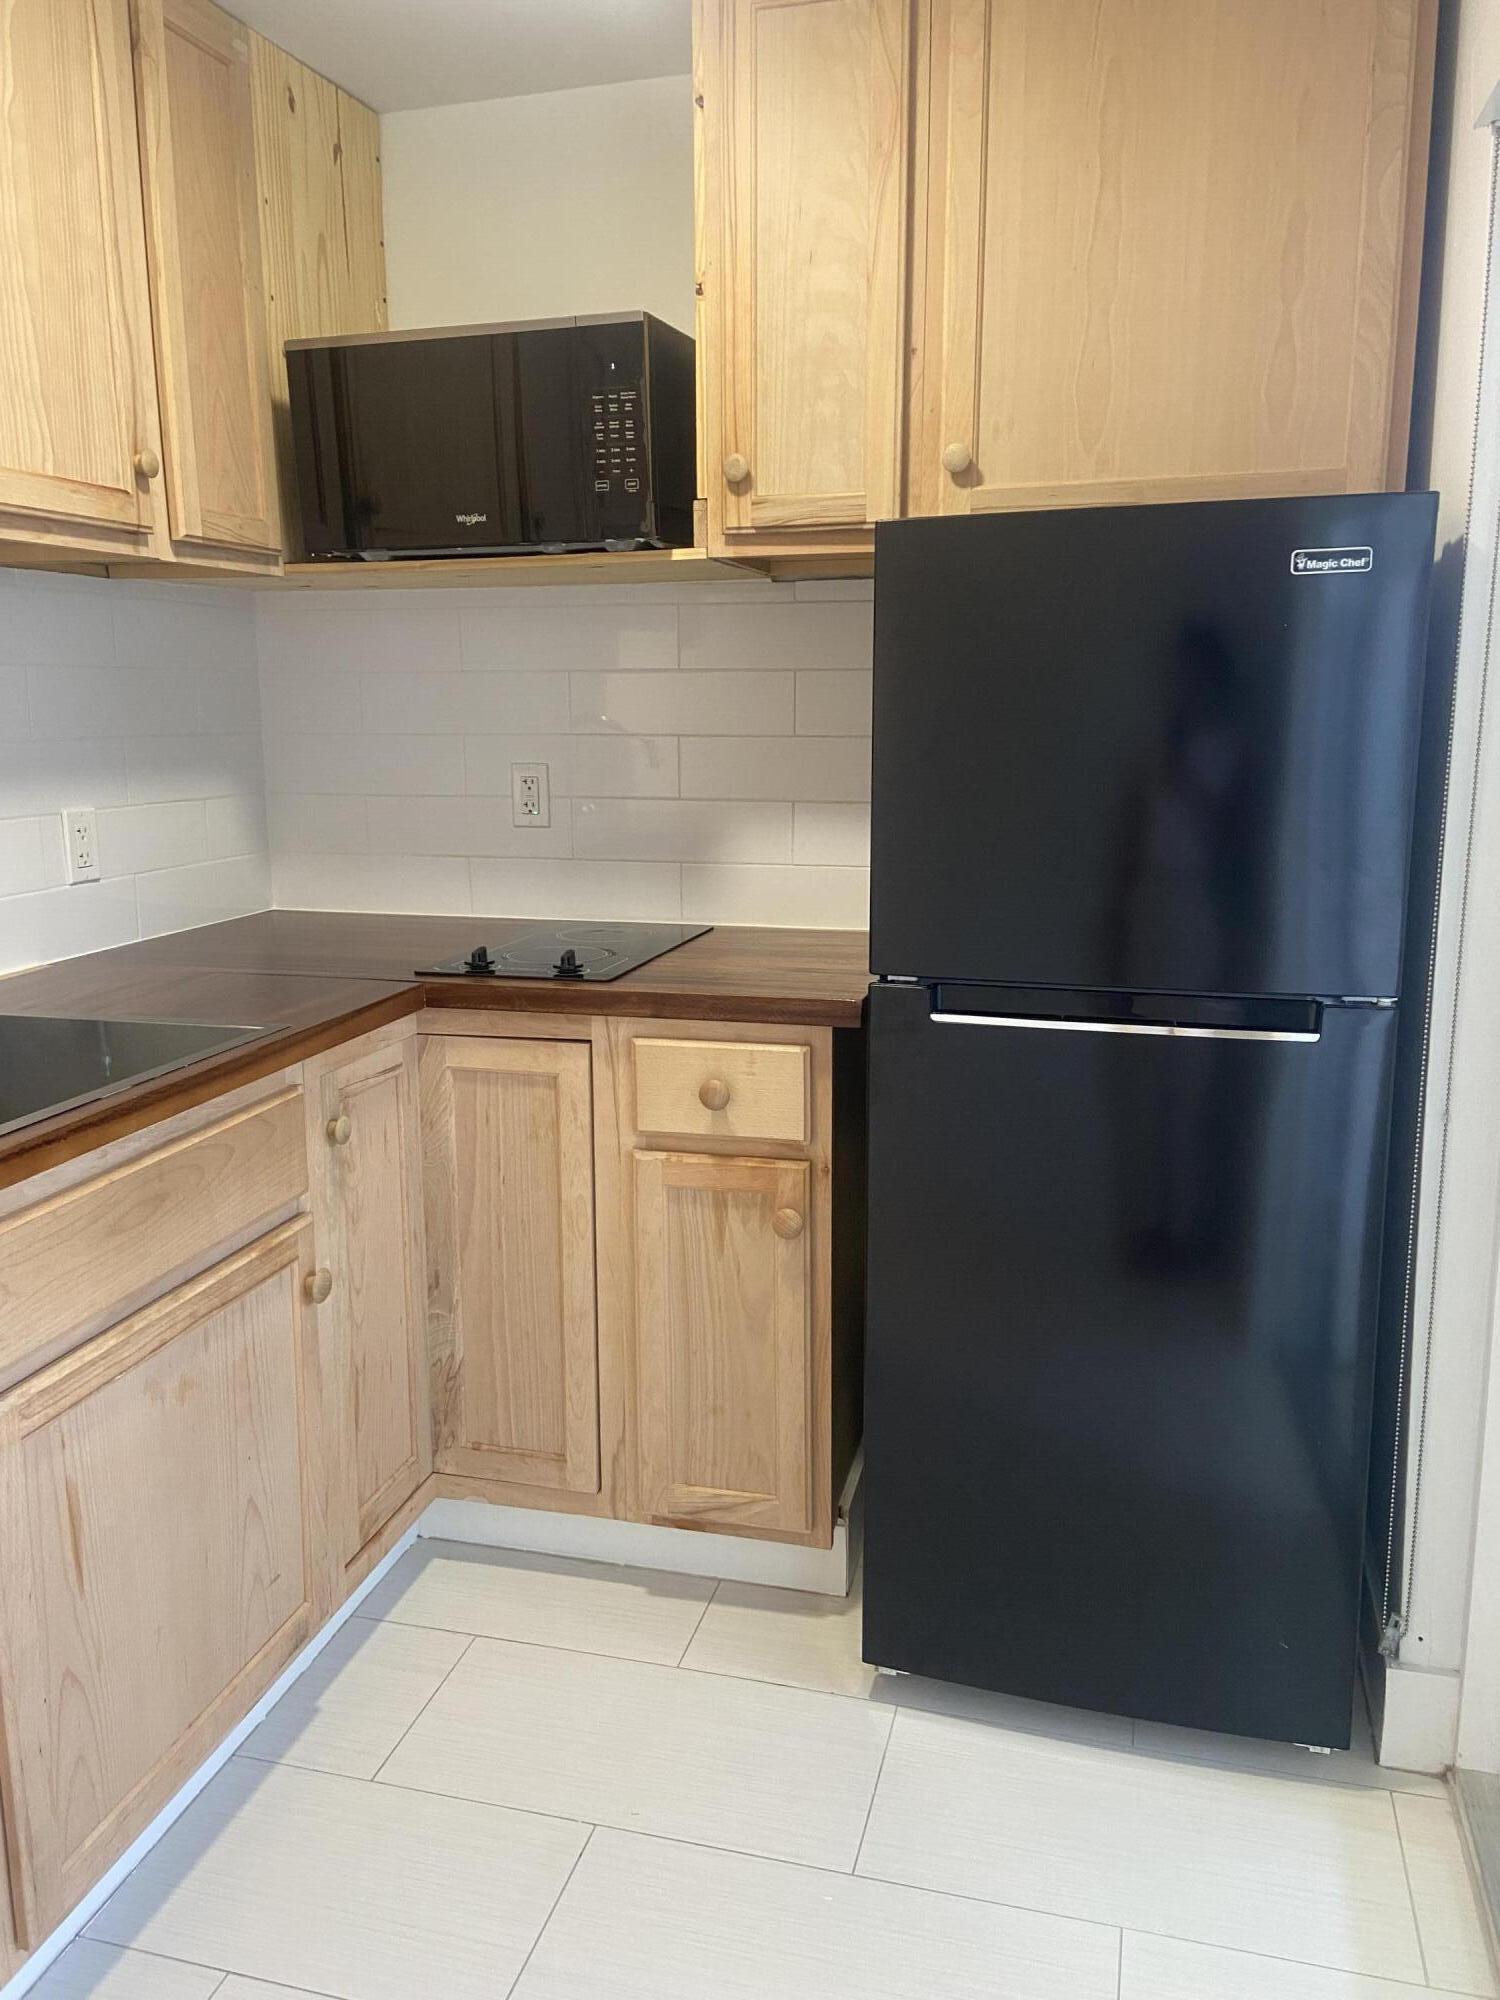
(1142, 816)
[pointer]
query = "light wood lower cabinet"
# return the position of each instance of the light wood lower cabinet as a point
(724, 1340)
(510, 1230)
(160, 1539)
(364, 1152)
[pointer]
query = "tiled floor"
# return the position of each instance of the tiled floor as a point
(554, 1781)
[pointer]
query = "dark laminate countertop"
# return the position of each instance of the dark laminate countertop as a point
(318, 978)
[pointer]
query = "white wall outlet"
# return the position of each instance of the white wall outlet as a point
(81, 843)
(530, 795)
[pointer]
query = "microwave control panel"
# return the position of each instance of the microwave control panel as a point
(616, 419)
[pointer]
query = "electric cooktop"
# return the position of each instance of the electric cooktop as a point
(567, 951)
(49, 1064)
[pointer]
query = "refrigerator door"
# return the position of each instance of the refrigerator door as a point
(1164, 748)
(1119, 1356)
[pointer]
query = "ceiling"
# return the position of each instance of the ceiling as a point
(399, 55)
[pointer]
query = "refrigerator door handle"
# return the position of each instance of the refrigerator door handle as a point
(1121, 1028)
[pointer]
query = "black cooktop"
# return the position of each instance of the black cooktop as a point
(567, 951)
(48, 1065)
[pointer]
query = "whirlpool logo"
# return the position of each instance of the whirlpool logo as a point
(1332, 562)
(470, 520)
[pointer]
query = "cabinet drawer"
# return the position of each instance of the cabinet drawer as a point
(724, 1090)
(73, 1262)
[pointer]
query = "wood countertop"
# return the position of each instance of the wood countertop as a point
(318, 978)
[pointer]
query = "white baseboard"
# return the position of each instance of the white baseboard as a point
(732, 1558)
(1418, 1730)
(85, 1912)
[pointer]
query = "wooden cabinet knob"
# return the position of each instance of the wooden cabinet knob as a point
(787, 1222)
(736, 467)
(338, 1130)
(957, 458)
(147, 464)
(713, 1093)
(317, 1285)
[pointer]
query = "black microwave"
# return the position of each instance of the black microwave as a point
(544, 435)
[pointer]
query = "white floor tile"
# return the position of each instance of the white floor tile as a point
(655, 1920)
(88, 1970)
(770, 1770)
(584, 1607)
(1013, 1712)
(758, 1633)
(235, 1988)
(1448, 1919)
(1158, 1968)
(1209, 1855)
(344, 1887)
(358, 1698)
(1354, 1766)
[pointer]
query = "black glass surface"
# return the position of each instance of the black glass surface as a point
(47, 1064)
(567, 951)
(1139, 748)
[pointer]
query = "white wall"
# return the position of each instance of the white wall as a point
(572, 201)
(708, 748)
(140, 700)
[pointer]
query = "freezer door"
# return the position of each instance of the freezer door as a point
(1165, 748)
(1120, 1333)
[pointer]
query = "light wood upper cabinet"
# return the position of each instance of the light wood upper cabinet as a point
(364, 1149)
(160, 1536)
(198, 163)
(724, 1339)
(802, 230)
(78, 421)
(512, 1318)
(1165, 249)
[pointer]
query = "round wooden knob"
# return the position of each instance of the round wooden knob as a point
(317, 1285)
(147, 464)
(338, 1130)
(957, 458)
(736, 467)
(713, 1093)
(787, 1222)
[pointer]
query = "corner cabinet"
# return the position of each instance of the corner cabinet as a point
(968, 255)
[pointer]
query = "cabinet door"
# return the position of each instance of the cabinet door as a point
(78, 426)
(807, 170)
(512, 1324)
(160, 1540)
(366, 1160)
(1167, 252)
(198, 162)
(724, 1335)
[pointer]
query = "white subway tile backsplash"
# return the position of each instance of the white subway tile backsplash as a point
(294, 698)
(679, 704)
(462, 827)
(358, 631)
(317, 824)
(23, 858)
(66, 621)
(435, 885)
(174, 624)
(229, 700)
(836, 897)
(487, 762)
(418, 766)
(516, 701)
(681, 830)
(189, 767)
(236, 825)
(721, 636)
(133, 838)
(60, 923)
(831, 836)
(625, 767)
(834, 704)
(835, 590)
(45, 776)
(15, 707)
(622, 637)
(776, 767)
(641, 891)
(209, 892)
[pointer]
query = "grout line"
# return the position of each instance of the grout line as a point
(697, 1622)
(1411, 1898)
(1120, 1964)
(885, 1751)
(375, 1774)
(521, 1974)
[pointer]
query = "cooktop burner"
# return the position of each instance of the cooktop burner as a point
(567, 951)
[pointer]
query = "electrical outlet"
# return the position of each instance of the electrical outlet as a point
(530, 795)
(81, 843)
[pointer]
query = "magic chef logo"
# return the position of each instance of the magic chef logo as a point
(473, 520)
(1332, 562)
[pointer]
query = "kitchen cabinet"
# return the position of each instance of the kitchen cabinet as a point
(725, 1340)
(364, 1154)
(160, 1537)
(203, 237)
(960, 255)
(1168, 252)
(80, 448)
(803, 163)
(512, 1310)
